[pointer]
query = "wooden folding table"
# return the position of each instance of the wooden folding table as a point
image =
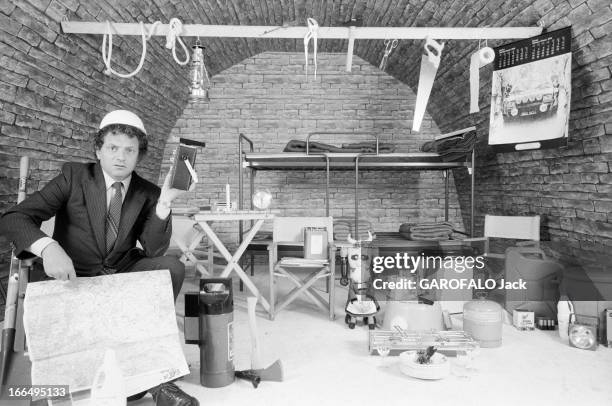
(204, 217)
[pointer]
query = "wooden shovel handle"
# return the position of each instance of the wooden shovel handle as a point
(255, 356)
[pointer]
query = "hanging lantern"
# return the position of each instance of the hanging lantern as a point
(200, 82)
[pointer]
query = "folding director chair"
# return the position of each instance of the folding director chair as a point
(506, 228)
(289, 232)
(511, 227)
(187, 236)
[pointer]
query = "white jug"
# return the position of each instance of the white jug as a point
(108, 388)
(564, 311)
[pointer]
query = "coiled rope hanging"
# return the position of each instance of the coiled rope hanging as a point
(107, 53)
(176, 28)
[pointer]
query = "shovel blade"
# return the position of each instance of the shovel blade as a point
(18, 373)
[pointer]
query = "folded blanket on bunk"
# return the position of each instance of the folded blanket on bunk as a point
(437, 237)
(300, 146)
(343, 226)
(404, 228)
(370, 146)
(426, 231)
(431, 227)
(363, 236)
(453, 148)
(261, 235)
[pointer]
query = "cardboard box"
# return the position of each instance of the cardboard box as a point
(315, 243)
(523, 319)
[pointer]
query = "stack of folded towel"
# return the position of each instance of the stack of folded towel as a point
(426, 231)
(453, 148)
(344, 225)
(262, 235)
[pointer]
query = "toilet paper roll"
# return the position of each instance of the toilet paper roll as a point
(482, 57)
(486, 55)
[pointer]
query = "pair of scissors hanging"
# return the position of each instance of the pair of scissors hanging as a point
(390, 45)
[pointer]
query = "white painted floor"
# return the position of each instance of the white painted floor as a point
(325, 363)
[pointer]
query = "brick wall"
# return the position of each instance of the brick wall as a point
(571, 188)
(269, 99)
(53, 92)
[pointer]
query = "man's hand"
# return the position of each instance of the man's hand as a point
(57, 263)
(168, 194)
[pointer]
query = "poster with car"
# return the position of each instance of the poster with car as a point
(530, 98)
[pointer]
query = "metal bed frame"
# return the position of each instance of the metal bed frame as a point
(285, 161)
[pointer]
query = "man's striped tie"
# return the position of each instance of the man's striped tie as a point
(113, 216)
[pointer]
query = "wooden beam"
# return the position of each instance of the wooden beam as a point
(254, 31)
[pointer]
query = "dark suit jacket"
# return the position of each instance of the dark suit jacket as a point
(77, 199)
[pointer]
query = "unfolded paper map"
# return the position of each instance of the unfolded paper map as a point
(69, 326)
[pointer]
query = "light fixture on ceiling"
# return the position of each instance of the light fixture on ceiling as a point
(200, 83)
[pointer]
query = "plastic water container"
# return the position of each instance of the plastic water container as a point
(541, 276)
(108, 388)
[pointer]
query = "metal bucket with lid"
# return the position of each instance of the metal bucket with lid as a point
(483, 319)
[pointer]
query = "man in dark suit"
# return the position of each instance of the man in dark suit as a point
(101, 210)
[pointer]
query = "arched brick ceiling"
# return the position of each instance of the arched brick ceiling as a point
(221, 53)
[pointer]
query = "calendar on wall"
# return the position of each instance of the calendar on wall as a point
(531, 92)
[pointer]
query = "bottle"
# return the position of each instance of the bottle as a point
(108, 388)
(564, 310)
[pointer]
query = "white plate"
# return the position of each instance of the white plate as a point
(438, 369)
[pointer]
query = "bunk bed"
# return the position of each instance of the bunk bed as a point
(351, 161)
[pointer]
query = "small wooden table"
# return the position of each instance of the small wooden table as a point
(204, 217)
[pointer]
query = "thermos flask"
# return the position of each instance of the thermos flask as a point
(216, 337)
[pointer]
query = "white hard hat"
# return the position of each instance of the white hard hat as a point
(122, 117)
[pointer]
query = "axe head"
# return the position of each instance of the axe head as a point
(272, 373)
